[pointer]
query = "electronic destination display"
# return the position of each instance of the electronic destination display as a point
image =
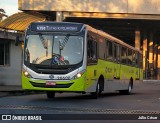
(56, 27)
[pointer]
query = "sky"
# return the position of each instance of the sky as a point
(10, 6)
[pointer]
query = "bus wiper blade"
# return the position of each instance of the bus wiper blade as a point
(44, 41)
(63, 44)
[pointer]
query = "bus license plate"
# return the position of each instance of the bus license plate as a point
(49, 83)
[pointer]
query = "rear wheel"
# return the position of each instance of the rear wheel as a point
(50, 94)
(128, 91)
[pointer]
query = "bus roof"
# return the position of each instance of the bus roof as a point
(73, 27)
(110, 37)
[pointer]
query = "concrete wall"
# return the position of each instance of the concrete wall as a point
(11, 75)
(109, 6)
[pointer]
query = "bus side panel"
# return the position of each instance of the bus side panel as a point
(141, 74)
(91, 78)
(109, 72)
(126, 73)
(137, 75)
(114, 80)
(103, 68)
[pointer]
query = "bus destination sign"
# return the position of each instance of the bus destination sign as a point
(56, 28)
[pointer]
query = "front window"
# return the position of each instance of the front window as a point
(53, 49)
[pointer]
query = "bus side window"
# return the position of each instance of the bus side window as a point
(101, 49)
(89, 49)
(92, 50)
(124, 55)
(116, 53)
(140, 60)
(134, 59)
(130, 58)
(109, 51)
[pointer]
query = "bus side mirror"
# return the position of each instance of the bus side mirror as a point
(17, 41)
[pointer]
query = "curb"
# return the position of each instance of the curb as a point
(4, 94)
(151, 80)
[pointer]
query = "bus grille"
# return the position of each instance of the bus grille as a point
(53, 71)
(43, 85)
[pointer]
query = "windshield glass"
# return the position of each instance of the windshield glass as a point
(53, 49)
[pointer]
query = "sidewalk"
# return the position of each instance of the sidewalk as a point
(6, 90)
(4, 94)
(151, 80)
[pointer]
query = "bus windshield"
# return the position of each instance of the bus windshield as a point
(45, 49)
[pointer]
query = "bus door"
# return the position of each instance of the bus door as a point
(92, 59)
(117, 64)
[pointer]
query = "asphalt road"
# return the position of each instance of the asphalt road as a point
(145, 100)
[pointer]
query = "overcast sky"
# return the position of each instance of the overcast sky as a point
(10, 6)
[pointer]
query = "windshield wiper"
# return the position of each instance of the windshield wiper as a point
(63, 44)
(44, 41)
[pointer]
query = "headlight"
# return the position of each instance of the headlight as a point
(26, 74)
(78, 75)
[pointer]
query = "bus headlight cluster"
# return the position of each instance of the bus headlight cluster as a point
(79, 74)
(26, 74)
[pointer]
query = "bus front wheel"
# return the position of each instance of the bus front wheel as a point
(50, 94)
(97, 93)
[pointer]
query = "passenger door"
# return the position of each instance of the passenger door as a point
(92, 59)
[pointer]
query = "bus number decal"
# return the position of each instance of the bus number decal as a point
(63, 78)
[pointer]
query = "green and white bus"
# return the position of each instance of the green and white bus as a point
(74, 57)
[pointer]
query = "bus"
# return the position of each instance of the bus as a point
(75, 57)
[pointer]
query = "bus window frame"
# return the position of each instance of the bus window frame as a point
(91, 37)
(107, 50)
(126, 61)
(116, 48)
(140, 61)
(130, 61)
(101, 47)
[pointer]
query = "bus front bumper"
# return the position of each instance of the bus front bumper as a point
(77, 85)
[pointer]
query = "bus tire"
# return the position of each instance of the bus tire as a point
(97, 93)
(50, 94)
(129, 90)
